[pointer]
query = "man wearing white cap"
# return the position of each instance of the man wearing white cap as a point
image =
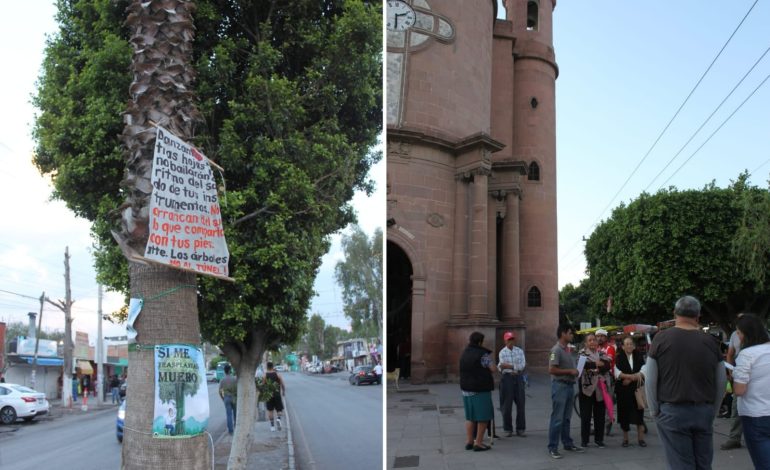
(511, 363)
(605, 346)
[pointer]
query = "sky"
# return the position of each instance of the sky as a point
(625, 68)
(37, 230)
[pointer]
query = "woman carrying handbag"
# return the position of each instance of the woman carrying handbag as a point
(628, 365)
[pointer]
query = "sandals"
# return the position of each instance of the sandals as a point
(469, 446)
(625, 443)
(480, 448)
(642, 443)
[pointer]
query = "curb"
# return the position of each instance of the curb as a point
(289, 437)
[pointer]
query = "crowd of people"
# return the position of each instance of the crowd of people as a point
(681, 384)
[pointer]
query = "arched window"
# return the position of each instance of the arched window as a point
(532, 15)
(533, 297)
(533, 173)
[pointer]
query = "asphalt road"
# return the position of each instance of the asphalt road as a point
(334, 424)
(83, 441)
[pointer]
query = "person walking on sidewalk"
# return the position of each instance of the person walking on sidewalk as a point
(734, 437)
(685, 381)
(477, 383)
(275, 404)
(561, 366)
(751, 382)
(511, 363)
(228, 391)
(85, 384)
(115, 389)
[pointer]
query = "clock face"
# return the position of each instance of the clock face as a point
(400, 16)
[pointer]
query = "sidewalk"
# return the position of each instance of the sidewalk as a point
(426, 430)
(269, 449)
(274, 450)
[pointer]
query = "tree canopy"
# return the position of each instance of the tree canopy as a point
(662, 246)
(290, 93)
(360, 275)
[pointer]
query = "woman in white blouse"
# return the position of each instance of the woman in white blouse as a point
(751, 383)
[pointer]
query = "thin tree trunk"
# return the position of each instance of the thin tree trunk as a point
(245, 362)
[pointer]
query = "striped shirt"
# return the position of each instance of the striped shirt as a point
(513, 357)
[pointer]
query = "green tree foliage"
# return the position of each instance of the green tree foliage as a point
(360, 276)
(663, 246)
(291, 95)
(574, 303)
(315, 335)
(332, 334)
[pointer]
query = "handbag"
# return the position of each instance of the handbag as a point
(640, 395)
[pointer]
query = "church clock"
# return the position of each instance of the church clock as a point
(400, 16)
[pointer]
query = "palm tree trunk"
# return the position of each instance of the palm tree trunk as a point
(162, 33)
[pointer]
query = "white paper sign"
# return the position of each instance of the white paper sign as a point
(581, 364)
(185, 224)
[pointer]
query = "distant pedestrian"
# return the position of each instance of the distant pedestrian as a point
(628, 376)
(751, 382)
(477, 383)
(685, 383)
(85, 384)
(511, 364)
(75, 388)
(592, 391)
(228, 391)
(561, 366)
(275, 403)
(378, 372)
(115, 389)
(734, 436)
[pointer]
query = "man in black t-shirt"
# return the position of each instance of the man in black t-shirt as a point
(684, 384)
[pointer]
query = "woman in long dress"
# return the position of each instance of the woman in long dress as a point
(628, 365)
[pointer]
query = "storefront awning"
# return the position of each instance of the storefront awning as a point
(45, 361)
(85, 367)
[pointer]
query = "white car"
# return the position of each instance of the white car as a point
(18, 401)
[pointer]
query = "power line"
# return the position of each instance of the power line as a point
(709, 117)
(667, 125)
(20, 295)
(716, 130)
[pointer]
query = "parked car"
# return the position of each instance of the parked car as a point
(18, 401)
(211, 376)
(121, 420)
(363, 375)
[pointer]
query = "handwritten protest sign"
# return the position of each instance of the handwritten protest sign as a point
(185, 223)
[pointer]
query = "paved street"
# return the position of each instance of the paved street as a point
(76, 439)
(426, 430)
(334, 424)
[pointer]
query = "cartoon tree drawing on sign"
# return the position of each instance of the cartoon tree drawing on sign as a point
(178, 378)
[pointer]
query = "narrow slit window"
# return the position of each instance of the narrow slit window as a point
(532, 16)
(534, 172)
(533, 297)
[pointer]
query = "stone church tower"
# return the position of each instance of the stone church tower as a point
(471, 163)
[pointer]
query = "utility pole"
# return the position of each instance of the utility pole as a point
(37, 343)
(99, 354)
(66, 307)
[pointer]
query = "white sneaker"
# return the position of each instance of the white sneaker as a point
(272, 428)
(278, 423)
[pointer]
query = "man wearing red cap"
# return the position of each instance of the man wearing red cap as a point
(511, 364)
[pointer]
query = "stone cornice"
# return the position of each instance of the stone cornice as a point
(510, 165)
(454, 146)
